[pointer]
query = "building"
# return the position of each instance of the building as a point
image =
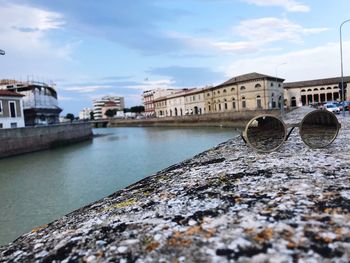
(100, 103)
(40, 104)
(149, 97)
(251, 91)
(109, 106)
(308, 92)
(11, 109)
(85, 114)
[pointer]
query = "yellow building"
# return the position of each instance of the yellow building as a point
(251, 91)
(314, 91)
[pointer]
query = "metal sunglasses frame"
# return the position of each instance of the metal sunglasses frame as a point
(291, 126)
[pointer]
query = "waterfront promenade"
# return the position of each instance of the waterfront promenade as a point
(228, 204)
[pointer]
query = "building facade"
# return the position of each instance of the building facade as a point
(316, 91)
(251, 91)
(85, 114)
(149, 97)
(100, 103)
(11, 110)
(40, 104)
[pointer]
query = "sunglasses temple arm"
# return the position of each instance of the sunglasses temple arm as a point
(291, 130)
(243, 138)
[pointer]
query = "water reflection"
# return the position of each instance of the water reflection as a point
(39, 187)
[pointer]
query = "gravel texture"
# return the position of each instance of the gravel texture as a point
(228, 204)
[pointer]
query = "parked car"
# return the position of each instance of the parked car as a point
(332, 108)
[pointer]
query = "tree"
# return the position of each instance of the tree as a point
(110, 112)
(137, 109)
(92, 115)
(70, 116)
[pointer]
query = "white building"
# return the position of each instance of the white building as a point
(100, 103)
(85, 114)
(11, 109)
(40, 104)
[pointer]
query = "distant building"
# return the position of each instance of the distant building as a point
(109, 105)
(308, 92)
(150, 96)
(40, 104)
(11, 109)
(100, 103)
(85, 114)
(251, 91)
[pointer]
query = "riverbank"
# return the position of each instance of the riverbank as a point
(30, 139)
(226, 204)
(223, 119)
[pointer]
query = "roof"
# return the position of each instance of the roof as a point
(8, 93)
(247, 77)
(315, 82)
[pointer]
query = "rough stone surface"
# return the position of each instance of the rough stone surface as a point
(228, 204)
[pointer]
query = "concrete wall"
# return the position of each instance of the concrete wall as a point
(225, 119)
(29, 139)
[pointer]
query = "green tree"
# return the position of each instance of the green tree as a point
(70, 116)
(110, 112)
(92, 115)
(137, 109)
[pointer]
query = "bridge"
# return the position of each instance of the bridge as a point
(102, 123)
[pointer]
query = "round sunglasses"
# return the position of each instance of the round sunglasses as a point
(266, 133)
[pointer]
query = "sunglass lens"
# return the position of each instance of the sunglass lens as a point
(319, 128)
(265, 133)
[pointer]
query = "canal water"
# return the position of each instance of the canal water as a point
(40, 187)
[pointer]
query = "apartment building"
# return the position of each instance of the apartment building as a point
(99, 105)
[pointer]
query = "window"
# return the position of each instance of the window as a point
(271, 84)
(208, 94)
(13, 124)
(232, 89)
(257, 85)
(244, 105)
(233, 103)
(302, 90)
(12, 108)
(0, 107)
(1, 126)
(218, 91)
(258, 102)
(242, 88)
(224, 91)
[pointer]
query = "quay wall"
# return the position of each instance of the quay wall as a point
(29, 139)
(224, 119)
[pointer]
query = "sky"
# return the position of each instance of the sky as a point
(92, 48)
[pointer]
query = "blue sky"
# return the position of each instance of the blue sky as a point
(94, 48)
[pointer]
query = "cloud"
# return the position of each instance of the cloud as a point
(133, 24)
(87, 89)
(314, 63)
(288, 5)
(189, 76)
(260, 32)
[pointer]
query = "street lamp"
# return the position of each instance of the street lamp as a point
(2, 52)
(282, 99)
(341, 65)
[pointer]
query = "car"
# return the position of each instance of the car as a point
(332, 108)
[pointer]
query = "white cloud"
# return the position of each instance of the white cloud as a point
(288, 5)
(319, 62)
(262, 31)
(88, 88)
(25, 32)
(153, 84)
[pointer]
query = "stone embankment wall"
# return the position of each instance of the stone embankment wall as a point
(225, 119)
(228, 204)
(30, 139)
